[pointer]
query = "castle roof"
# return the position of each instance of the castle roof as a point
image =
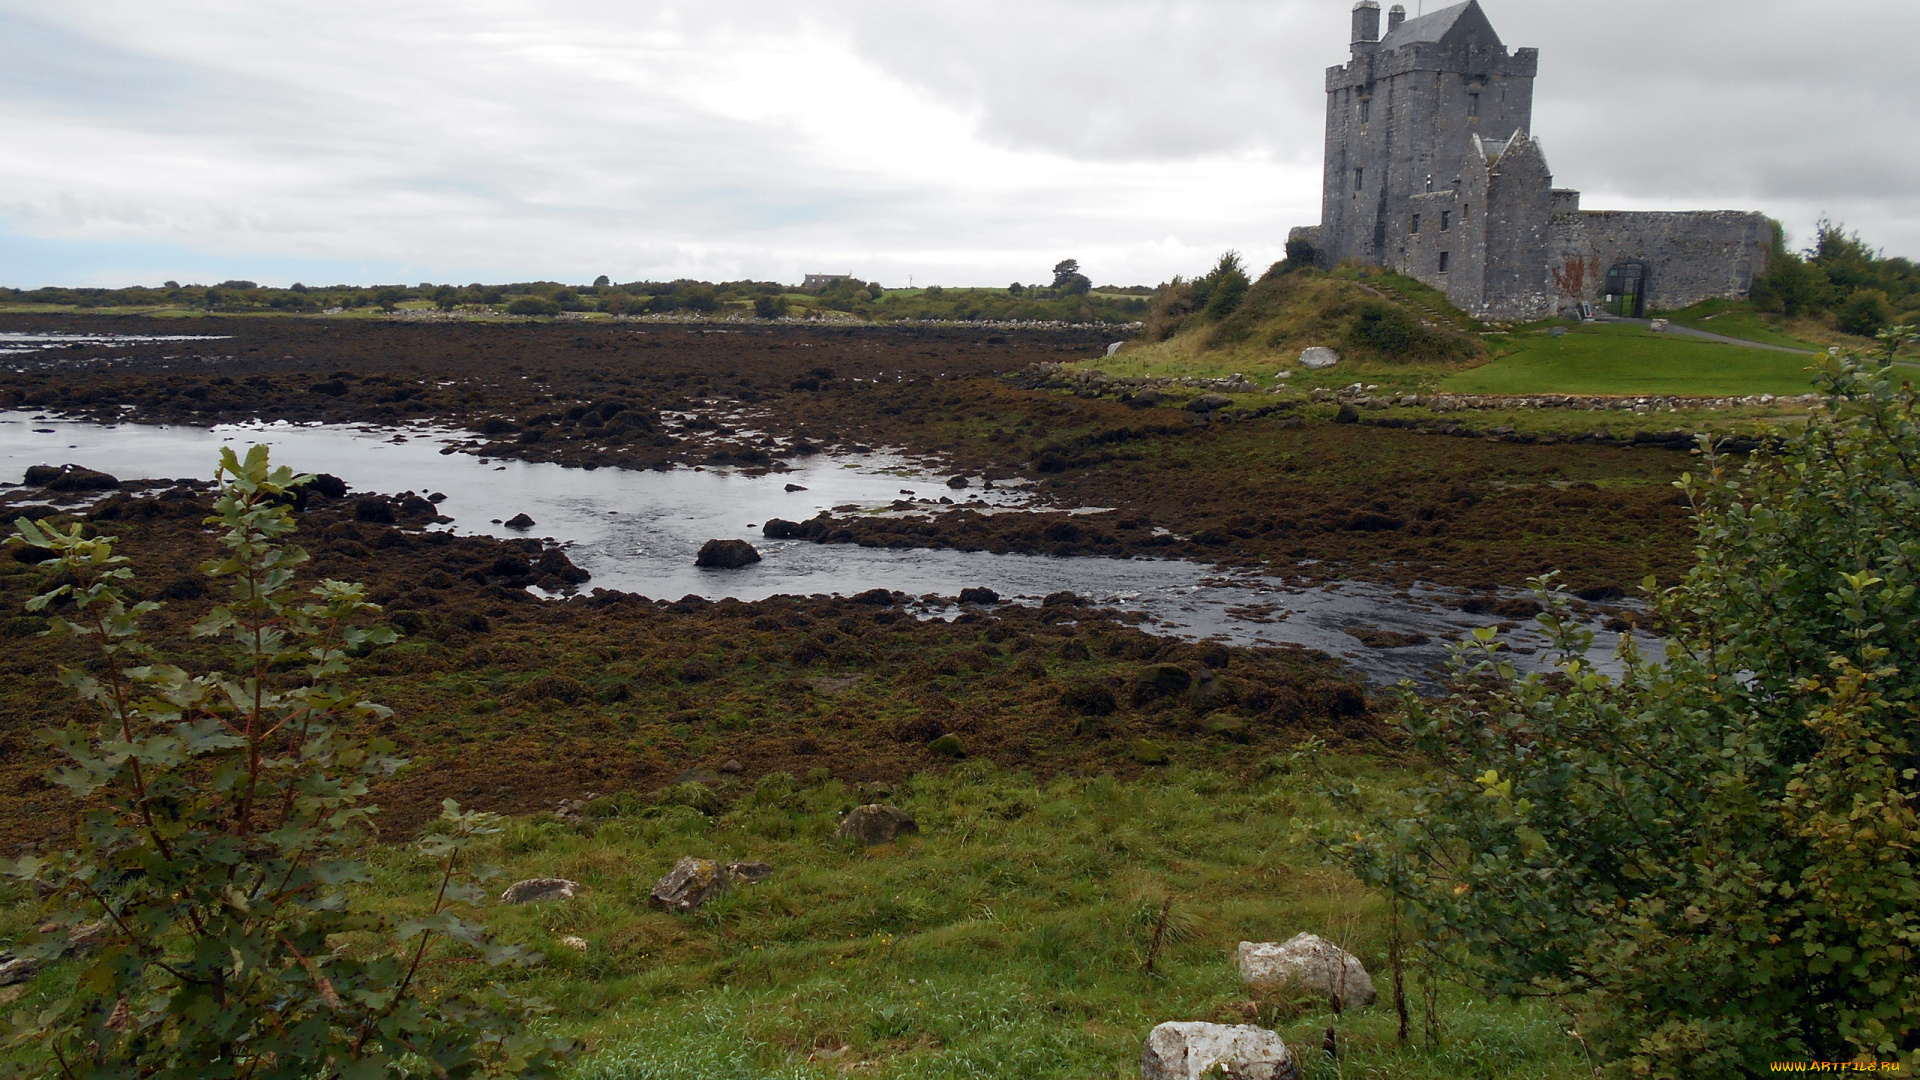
(1461, 24)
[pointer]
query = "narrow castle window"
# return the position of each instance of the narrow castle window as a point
(1366, 109)
(1446, 220)
(1359, 179)
(1416, 225)
(1443, 262)
(1473, 104)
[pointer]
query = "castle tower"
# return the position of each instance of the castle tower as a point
(1402, 115)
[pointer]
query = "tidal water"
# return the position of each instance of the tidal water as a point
(639, 531)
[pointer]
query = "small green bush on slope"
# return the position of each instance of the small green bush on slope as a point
(1712, 858)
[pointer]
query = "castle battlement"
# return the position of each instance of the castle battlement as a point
(1432, 170)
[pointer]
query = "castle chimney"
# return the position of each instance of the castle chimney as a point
(1366, 21)
(1396, 15)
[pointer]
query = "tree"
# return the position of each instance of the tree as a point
(602, 281)
(1710, 860)
(222, 815)
(1226, 285)
(1063, 271)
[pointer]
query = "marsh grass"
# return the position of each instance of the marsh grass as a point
(1007, 940)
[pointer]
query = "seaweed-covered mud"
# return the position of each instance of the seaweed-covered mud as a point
(1247, 481)
(513, 703)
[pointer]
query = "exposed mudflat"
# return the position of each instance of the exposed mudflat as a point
(512, 703)
(1289, 492)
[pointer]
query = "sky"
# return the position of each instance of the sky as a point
(908, 141)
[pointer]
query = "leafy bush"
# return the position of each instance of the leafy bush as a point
(533, 305)
(1225, 287)
(1710, 859)
(1391, 331)
(222, 814)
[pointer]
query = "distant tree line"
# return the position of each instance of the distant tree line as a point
(1842, 282)
(1070, 298)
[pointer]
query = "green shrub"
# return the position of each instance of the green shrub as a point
(1711, 859)
(223, 820)
(533, 305)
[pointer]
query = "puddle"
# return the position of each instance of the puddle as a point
(12, 342)
(639, 531)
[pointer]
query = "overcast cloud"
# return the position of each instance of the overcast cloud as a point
(960, 143)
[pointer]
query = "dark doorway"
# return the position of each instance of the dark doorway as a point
(1627, 285)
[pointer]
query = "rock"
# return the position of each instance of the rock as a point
(577, 944)
(374, 511)
(1063, 598)
(948, 744)
(1114, 348)
(795, 487)
(979, 596)
(1147, 752)
(1319, 357)
(876, 597)
(958, 482)
(750, 872)
(780, 529)
(731, 766)
(333, 487)
(70, 478)
(534, 890)
(17, 969)
(1207, 403)
(1190, 1051)
(520, 521)
(876, 823)
(726, 555)
(1347, 415)
(689, 884)
(1165, 680)
(1311, 963)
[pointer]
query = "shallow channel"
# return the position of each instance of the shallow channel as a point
(639, 531)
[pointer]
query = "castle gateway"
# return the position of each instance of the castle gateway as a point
(1431, 170)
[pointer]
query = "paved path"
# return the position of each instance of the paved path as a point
(1688, 331)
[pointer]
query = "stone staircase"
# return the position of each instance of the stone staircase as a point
(1428, 314)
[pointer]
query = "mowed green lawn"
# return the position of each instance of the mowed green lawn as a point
(1604, 359)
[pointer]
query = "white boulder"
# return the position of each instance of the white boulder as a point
(1319, 357)
(1309, 962)
(1189, 1051)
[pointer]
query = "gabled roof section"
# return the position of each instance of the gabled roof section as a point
(1461, 24)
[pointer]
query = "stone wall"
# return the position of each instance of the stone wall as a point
(1691, 255)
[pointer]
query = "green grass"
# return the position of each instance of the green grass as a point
(1005, 941)
(1617, 359)
(1737, 319)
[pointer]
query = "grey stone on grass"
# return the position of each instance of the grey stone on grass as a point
(1193, 1050)
(877, 823)
(534, 890)
(1308, 962)
(691, 883)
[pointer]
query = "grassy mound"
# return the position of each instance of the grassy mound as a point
(1383, 325)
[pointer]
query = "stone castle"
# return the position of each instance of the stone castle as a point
(1432, 171)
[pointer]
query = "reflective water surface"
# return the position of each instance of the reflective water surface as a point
(639, 531)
